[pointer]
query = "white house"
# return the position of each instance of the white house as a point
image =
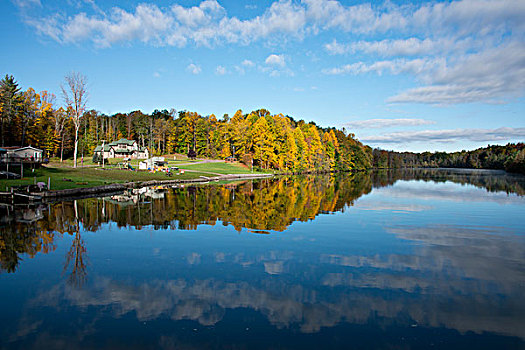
(123, 148)
(16, 154)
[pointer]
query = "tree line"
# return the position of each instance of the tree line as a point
(510, 157)
(257, 138)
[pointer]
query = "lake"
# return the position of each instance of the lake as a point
(391, 259)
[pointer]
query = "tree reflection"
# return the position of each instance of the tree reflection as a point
(76, 258)
(261, 206)
(22, 232)
(76, 255)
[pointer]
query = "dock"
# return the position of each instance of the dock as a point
(17, 197)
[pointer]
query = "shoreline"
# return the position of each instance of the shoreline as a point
(83, 192)
(96, 191)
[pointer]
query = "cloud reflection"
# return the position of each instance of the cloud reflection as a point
(467, 278)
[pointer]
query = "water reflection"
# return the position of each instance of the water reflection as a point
(426, 273)
(257, 205)
(459, 279)
(297, 306)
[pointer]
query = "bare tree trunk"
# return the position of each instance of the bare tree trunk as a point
(75, 95)
(76, 148)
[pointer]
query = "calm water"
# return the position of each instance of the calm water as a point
(416, 259)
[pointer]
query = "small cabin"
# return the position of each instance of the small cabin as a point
(16, 154)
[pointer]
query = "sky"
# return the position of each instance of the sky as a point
(405, 76)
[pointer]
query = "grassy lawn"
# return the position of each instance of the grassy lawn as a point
(69, 162)
(181, 161)
(89, 177)
(219, 168)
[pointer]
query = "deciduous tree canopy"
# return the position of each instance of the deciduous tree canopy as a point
(258, 138)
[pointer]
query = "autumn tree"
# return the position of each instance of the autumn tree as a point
(263, 141)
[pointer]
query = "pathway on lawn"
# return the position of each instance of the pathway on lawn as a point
(200, 171)
(201, 162)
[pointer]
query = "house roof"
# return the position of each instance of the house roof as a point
(123, 141)
(19, 148)
(123, 151)
(99, 148)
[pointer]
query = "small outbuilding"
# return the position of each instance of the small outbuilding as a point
(152, 163)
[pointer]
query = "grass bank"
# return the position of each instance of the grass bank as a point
(66, 177)
(220, 168)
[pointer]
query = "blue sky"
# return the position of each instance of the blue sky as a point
(400, 75)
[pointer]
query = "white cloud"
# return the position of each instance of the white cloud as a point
(240, 70)
(489, 76)
(478, 135)
(275, 60)
(248, 63)
(220, 70)
(193, 68)
(401, 47)
(362, 18)
(24, 4)
(156, 75)
(447, 46)
(336, 48)
(492, 75)
(386, 123)
(209, 22)
(398, 66)
(408, 47)
(245, 64)
(275, 66)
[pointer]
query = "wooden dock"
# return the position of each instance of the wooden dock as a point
(17, 197)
